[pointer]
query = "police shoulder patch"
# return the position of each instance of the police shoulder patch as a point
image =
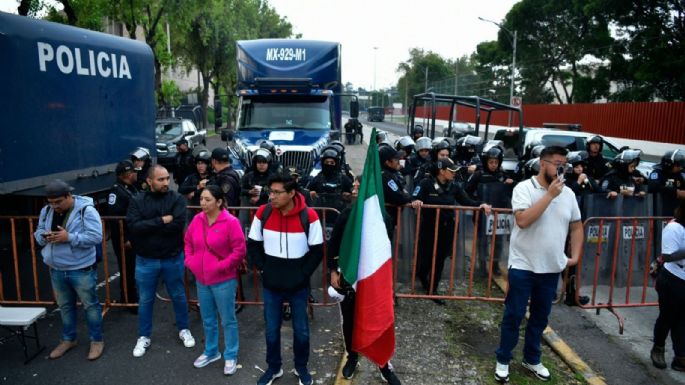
(654, 175)
(226, 187)
(112, 199)
(416, 191)
(393, 186)
(605, 184)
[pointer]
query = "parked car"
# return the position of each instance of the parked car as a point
(572, 140)
(171, 130)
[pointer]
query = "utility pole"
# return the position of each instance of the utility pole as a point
(425, 84)
(513, 36)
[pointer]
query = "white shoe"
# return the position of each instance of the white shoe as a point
(187, 338)
(539, 370)
(230, 367)
(141, 346)
(501, 372)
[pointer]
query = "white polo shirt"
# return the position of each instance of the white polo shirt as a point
(672, 240)
(540, 247)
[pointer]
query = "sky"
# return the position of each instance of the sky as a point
(449, 28)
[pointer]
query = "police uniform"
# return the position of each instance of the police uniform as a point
(431, 192)
(184, 165)
(666, 185)
(329, 191)
(394, 190)
(227, 179)
(190, 184)
(255, 178)
(616, 180)
(120, 196)
(596, 167)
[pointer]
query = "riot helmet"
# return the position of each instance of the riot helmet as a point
(423, 143)
(330, 169)
(417, 131)
(204, 156)
(267, 145)
(492, 152)
(527, 154)
(673, 158)
(532, 167)
(405, 143)
(577, 157)
(261, 155)
(595, 139)
(536, 151)
(140, 153)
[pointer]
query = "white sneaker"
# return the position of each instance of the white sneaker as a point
(501, 372)
(539, 370)
(187, 338)
(141, 346)
(230, 367)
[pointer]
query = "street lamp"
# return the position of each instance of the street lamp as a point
(375, 49)
(513, 59)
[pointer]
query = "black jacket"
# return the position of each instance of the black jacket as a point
(229, 182)
(255, 178)
(432, 192)
(150, 236)
(596, 167)
(184, 165)
(190, 185)
(118, 201)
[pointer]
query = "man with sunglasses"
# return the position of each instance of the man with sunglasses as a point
(68, 230)
(545, 211)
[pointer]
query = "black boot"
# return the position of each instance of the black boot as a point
(657, 356)
(678, 364)
(350, 366)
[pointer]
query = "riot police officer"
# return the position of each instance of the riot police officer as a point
(438, 189)
(117, 205)
(225, 176)
(353, 128)
(331, 187)
(466, 156)
(417, 132)
(576, 179)
(340, 149)
(184, 163)
(194, 183)
(622, 178)
(393, 183)
(140, 157)
(420, 157)
(666, 180)
(255, 181)
(275, 166)
(491, 158)
(440, 149)
(596, 163)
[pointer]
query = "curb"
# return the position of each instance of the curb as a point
(563, 350)
(339, 379)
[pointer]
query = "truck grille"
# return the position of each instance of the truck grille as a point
(302, 160)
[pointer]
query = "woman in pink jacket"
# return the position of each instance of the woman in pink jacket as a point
(214, 249)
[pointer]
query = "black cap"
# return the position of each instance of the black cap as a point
(220, 154)
(123, 167)
(446, 163)
(57, 188)
(181, 141)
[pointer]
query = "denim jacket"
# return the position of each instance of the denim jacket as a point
(85, 231)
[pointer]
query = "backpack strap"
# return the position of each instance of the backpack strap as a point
(304, 218)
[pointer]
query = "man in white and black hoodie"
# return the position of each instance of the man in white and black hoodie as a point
(285, 243)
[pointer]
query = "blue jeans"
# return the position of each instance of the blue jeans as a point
(68, 284)
(148, 273)
(220, 298)
(540, 289)
(273, 312)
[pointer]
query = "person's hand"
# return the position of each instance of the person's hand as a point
(472, 168)
(486, 208)
(508, 181)
(612, 195)
(202, 184)
(627, 192)
(335, 279)
(639, 180)
(572, 261)
(167, 219)
(254, 191)
(253, 200)
(346, 196)
(641, 194)
(313, 194)
(190, 195)
(555, 188)
(582, 178)
(59, 236)
(416, 204)
(127, 245)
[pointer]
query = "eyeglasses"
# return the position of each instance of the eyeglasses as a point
(556, 164)
(276, 192)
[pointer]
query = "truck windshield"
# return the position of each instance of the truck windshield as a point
(281, 112)
(173, 129)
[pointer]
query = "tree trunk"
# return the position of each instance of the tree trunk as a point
(24, 7)
(158, 81)
(69, 11)
(205, 97)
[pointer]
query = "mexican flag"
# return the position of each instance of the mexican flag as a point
(365, 261)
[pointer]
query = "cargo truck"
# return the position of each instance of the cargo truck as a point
(290, 94)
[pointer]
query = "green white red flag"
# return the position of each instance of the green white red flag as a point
(366, 262)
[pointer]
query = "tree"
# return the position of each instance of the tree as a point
(647, 61)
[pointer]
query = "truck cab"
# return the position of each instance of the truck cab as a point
(289, 93)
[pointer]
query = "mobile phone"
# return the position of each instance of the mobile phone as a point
(44, 235)
(560, 172)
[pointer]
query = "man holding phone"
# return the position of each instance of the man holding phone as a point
(545, 210)
(68, 229)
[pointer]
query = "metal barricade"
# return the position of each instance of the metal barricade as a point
(614, 268)
(25, 279)
(463, 282)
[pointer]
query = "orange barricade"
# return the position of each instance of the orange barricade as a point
(475, 252)
(614, 268)
(25, 279)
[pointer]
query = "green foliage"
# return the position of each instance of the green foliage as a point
(171, 94)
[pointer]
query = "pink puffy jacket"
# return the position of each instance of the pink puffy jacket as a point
(214, 253)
